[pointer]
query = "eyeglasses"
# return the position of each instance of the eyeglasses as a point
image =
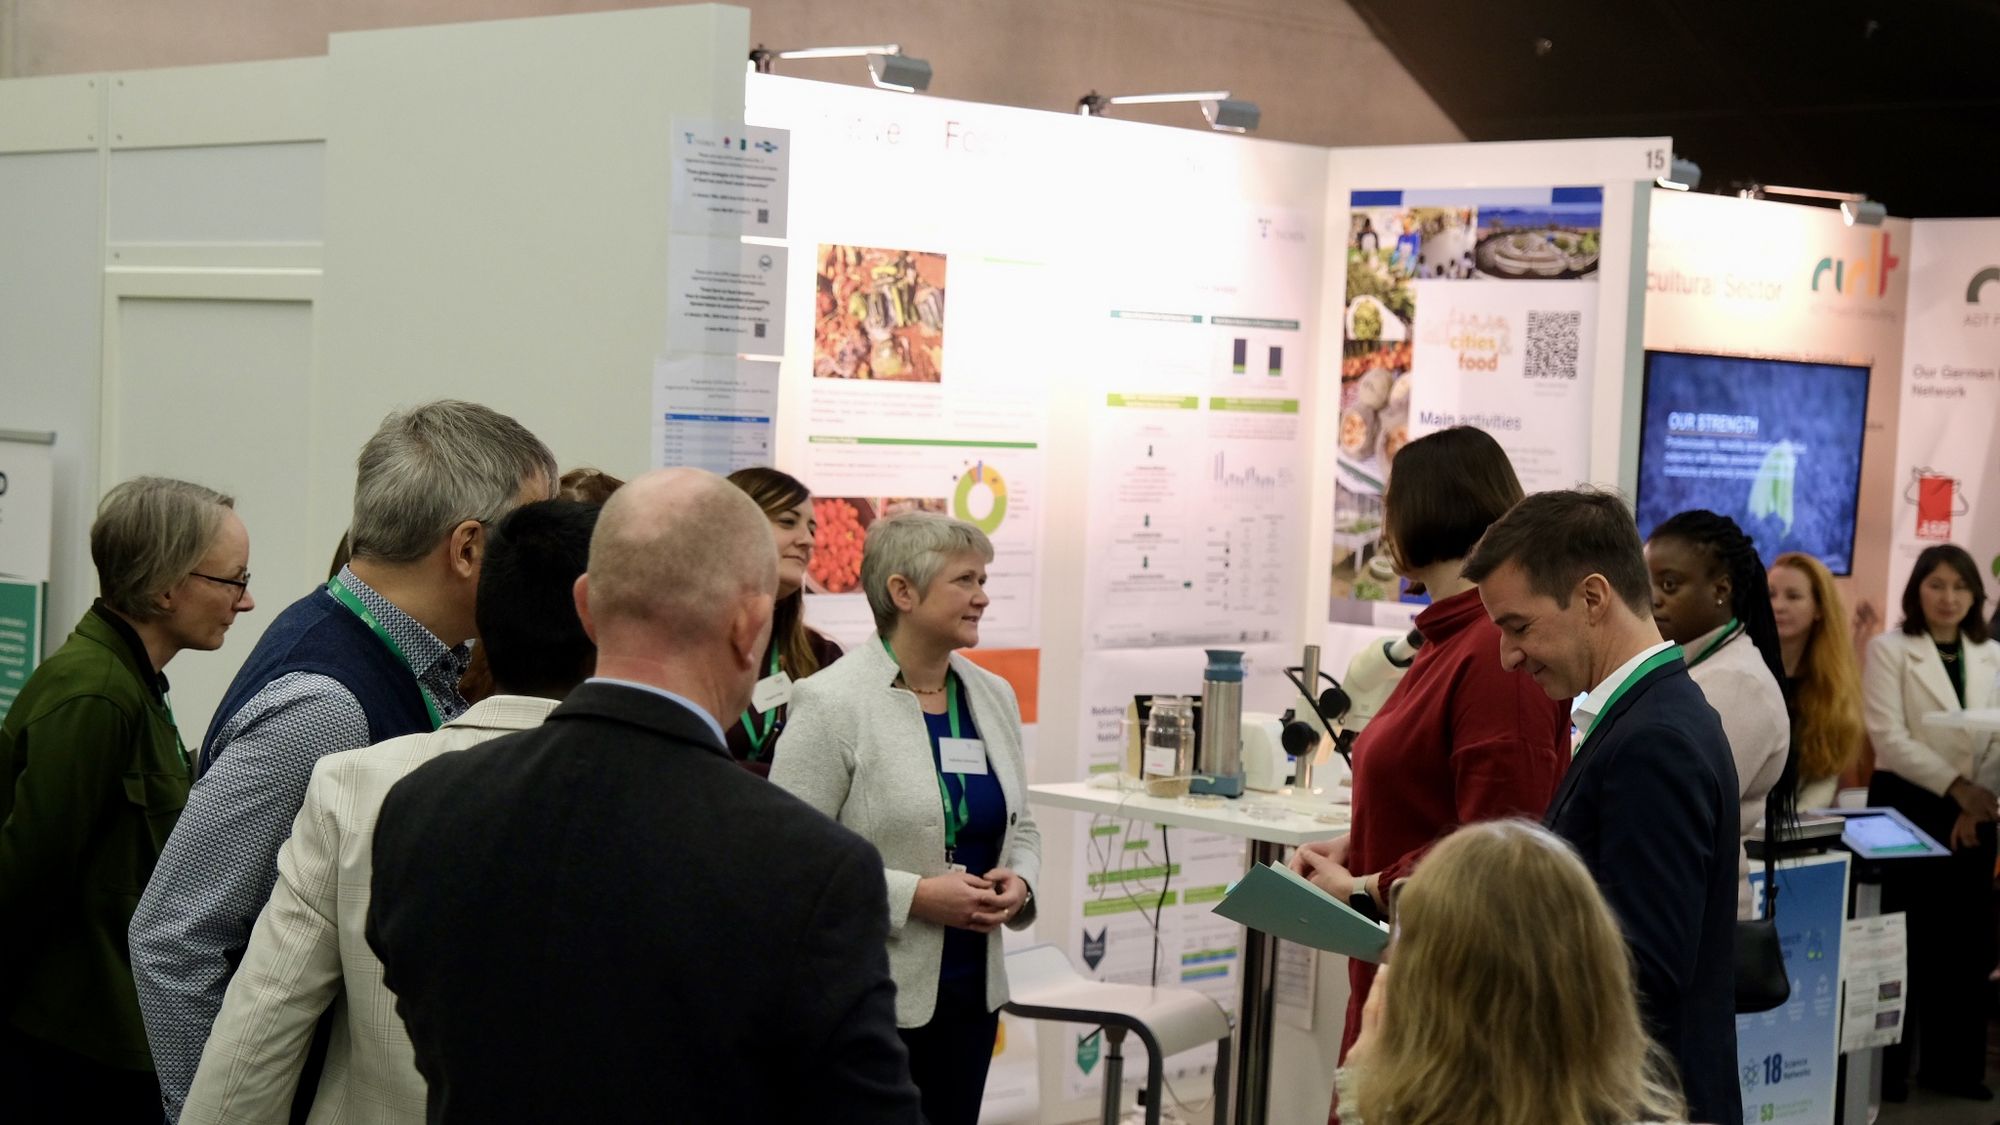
(242, 584)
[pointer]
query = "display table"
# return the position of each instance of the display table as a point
(1981, 721)
(1251, 1076)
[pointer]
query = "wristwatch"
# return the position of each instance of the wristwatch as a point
(1364, 904)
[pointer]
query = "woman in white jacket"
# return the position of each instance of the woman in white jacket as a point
(1710, 597)
(1940, 660)
(918, 750)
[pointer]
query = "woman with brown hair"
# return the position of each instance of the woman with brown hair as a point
(1460, 739)
(1822, 680)
(1512, 1000)
(795, 651)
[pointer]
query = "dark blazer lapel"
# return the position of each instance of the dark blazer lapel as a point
(1600, 732)
(637, 707)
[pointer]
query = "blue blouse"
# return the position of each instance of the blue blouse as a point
(979, 839)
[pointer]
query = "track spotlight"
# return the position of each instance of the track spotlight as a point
(1224, 113)
(1684, 175)
(888, 66)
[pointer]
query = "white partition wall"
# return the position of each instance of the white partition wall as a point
(497, 216)
(51, 181)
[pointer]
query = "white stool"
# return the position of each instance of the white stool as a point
(1045, 986)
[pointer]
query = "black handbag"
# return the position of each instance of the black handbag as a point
(1761, 981)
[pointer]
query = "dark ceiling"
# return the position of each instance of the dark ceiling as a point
(1899, 99)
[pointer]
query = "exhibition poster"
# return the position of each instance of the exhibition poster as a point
(1789, 1057)
(1198, 440)
(724, 296)
(1947, 485)
(1875, 972)
(714, 412)
(27, 514)
(1463, 307)
(730, 178)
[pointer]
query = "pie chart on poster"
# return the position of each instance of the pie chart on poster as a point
(981, 487)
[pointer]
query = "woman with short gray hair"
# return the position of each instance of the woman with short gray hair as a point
(93, 775)
(918, 750)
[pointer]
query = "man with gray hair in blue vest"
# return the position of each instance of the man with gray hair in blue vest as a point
(375, 654)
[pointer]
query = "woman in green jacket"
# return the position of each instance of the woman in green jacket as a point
(93, 775)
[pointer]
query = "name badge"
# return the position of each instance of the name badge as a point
(962, 755)
(772, 692)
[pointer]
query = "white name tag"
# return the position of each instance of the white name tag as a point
(772, 692)
(962, 755)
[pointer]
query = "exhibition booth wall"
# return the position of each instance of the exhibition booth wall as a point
(1166, 370)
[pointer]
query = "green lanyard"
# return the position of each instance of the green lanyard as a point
(1729, 632)
(360, 609)
(749, 719)
(956, 815)
(187, 763)
(1659, 659)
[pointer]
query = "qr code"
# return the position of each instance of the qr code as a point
(1553, 344)
(763, 216)
(757, 330)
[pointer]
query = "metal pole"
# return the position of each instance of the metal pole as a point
(1253, 1020)
(1114, 1071)
(1302, 777)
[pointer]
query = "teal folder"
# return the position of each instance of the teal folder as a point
(1281, 902)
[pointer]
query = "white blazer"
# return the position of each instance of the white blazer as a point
(307, 951)
(1739, 685)
(857, 749)
(1903, 682)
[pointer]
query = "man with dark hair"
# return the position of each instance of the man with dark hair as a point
(1650, 799)
(550, 910)
(307, 952)
(375, 653)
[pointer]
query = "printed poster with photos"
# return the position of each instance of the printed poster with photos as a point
(1449, 321)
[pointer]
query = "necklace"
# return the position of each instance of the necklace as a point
(1948, 654)
(908, 686)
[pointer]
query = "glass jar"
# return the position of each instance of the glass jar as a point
(1169, 746)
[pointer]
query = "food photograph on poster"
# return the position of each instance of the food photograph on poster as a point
(843, 530)
(879, 314)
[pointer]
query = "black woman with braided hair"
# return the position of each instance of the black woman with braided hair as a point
(1711, 597)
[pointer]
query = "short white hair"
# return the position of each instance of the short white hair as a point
(916, 545)
(429, 468)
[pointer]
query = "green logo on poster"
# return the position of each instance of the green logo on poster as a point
(1087, 1050)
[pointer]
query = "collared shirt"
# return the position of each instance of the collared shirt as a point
(1584, 714)
(680, 699)
(218, 867)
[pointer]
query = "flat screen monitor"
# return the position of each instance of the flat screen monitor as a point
(1773, 444)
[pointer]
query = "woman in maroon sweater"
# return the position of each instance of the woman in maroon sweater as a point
(1460, 739)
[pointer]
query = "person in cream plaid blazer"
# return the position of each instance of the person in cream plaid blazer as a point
(307, 951)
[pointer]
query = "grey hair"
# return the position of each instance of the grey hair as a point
(149, 535)
(915, 545)
(431, 467)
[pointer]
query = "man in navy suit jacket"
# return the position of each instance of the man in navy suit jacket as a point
(1650, 799)
(605, 919)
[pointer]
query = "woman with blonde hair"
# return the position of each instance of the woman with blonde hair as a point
(1512, 1001)
(1822, 679)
